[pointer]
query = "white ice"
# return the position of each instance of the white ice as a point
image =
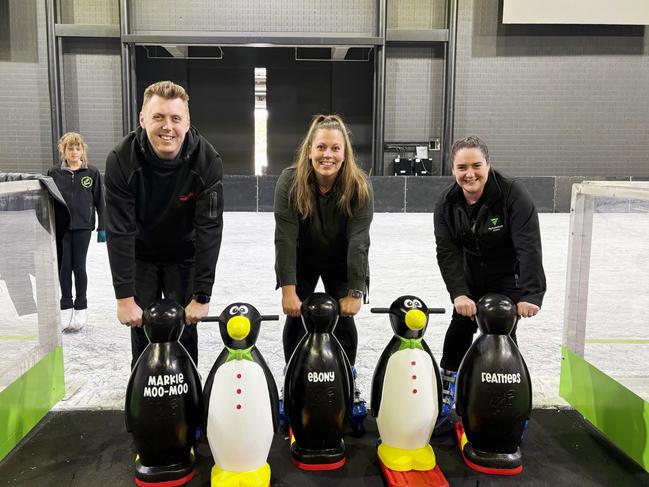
(402, 261)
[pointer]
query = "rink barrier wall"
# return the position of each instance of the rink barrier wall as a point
(29, 398)
(405, 194)
(616, 411)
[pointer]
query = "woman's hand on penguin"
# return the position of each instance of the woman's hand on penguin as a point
(349, 306)
(291, 303)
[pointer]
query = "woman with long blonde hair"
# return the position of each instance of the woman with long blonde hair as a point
(81, 188)
(323, 211)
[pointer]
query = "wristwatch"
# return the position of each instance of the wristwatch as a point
(201, 298)
(355, 293)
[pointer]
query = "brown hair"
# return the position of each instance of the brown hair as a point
(352, 179)
(73, 138)
(167, 90)
(470, 142)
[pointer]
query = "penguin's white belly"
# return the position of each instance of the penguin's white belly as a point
(408, 408)
(239, 423)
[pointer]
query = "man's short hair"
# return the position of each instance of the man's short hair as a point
(167, 90)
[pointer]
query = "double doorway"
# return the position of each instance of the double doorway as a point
(238, 92)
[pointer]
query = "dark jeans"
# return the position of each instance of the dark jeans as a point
(459, 335)
(335, 284)
(73, 260)
(173, 281)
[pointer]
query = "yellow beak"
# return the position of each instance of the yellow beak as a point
(415, 319)
(238, 327)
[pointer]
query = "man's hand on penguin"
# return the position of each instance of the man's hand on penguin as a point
(128, 312)
(195, 312)
(465, 306)
(527, 310)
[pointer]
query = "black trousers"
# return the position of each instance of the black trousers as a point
(459, 335)
(154, 281)
(335, 284)
(73, 260)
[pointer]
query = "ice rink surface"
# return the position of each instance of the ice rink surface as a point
(402, 261)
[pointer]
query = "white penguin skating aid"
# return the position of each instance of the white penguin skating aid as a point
(241, 402)
(406, 379)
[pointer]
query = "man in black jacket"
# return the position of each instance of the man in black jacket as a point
(164, 218)
(488, 241)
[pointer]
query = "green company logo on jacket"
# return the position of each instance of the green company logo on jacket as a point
(494, 224)
(86, 182)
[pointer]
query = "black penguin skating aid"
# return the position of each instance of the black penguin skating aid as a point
(163, 401)
(494, 392)
(318, 389)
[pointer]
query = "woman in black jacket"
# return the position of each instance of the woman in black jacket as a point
(488, 241)
(81, 187)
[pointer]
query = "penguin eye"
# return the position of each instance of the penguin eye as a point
(408, 303)
(243, 310)
(234, 310)
(417, 303)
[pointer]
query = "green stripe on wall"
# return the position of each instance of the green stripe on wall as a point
(618, 341)
(27, 400)
(615, 410)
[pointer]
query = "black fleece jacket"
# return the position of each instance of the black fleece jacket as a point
(163, 211)
(83, 193)
(503, 249)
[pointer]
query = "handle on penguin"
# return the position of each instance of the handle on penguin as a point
(269, 317)
(210, 318)
(438, 311)
(380, 310)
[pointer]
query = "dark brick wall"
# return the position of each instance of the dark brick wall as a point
(25, 124)
(553, 100)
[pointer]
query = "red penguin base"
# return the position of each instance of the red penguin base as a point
(318, 466)
(414, 478)
(165, 476)
(461, 442)
(166, 483)
(315, 460)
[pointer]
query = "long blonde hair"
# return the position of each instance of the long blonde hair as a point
(73, 138)
(351, 179)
